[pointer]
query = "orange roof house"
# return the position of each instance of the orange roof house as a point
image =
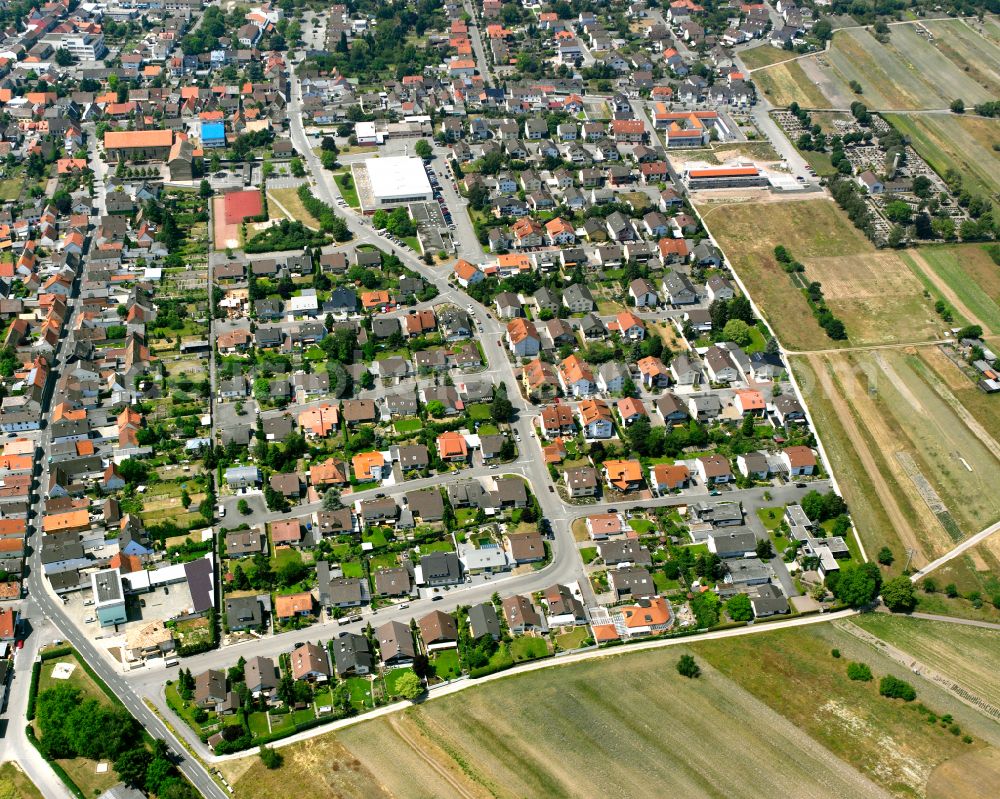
(8, 624)
(647, 617)
(668, 476)
(452, 446)
(319, 421)
(631, 409)
(554, 452)
(368, 466)
(331, 472)
(748, 401)
(300, 604)
(138, 139)
(286, 531)
(77, 520)
(12, 527)
(373, 299)
(625, 475)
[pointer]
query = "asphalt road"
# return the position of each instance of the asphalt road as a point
(45, 602)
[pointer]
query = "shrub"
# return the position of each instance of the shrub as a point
(859, 672)
(687, 667)
(271, 758)
(835, 653)
(895, 688)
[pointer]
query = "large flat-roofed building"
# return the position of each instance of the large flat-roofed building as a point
(109, 597)
(138, 145)
(724, 177)
(394, 181)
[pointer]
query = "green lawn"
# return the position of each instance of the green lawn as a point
(10, 189)
(408, 425)
(488, 430)
(642, 526)
(573, 639)
(463, 516)
(349, 192)
(589, 554)
(258, 723)
(361, 691)
(437, 546)
(771, 517)
(528, 647)
(284, 555)
(664, 584)
(375, 536)
(446, 665)
(480, 412)
(392, 677)
(353, 568)
(314, 354)
(384, 560)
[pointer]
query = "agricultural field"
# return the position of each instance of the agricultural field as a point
(873, 292)
(975, 575)
(967, 279)
(908, 73)
(967, 655)
(961, 42)
(962, 143)
(786, 83)
(757, 57)
(491, 742)
(905, 448)
(890, 742)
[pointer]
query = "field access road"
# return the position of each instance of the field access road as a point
(968, 543)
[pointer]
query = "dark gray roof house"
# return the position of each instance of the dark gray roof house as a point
(483, 620)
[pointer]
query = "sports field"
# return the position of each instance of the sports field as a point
(968, 655)
(962, 143)
(874, 292)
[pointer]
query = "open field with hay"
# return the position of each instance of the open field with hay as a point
(889, 741)
(874, 292)
(968, 655)
(786, 83)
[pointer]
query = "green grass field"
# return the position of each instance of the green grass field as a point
(347, 188)
(757, 57)
(786, 83)
(971, 274)
(408, 425)
(528, 647)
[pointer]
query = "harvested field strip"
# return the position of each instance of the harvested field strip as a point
(614, 711)
(974, 775)
(920, 58)
(786, 83)
(967, 48)
(855, 61)
(968, 655)
(940, 290)
(889, 741)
